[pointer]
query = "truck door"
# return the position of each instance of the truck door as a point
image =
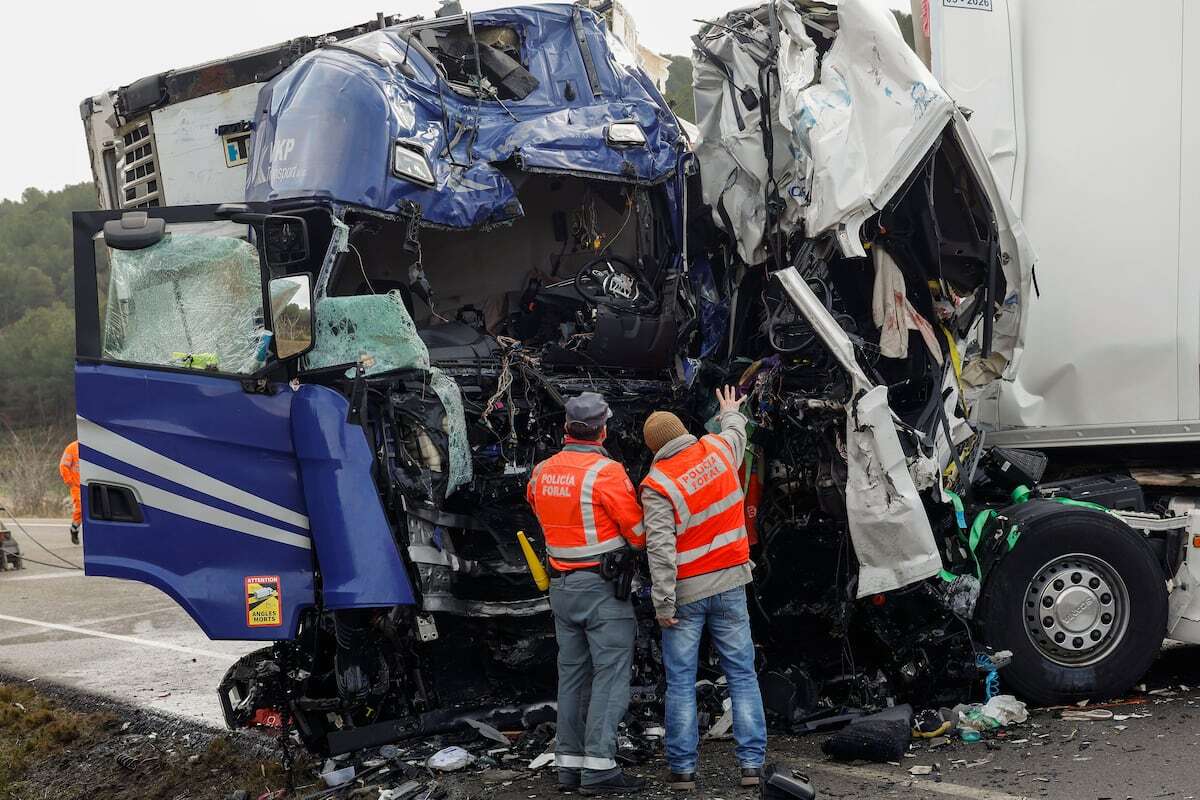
(190, 478)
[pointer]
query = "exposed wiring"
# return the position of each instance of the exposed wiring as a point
(362, 267)
(27, 560)
(629, 204)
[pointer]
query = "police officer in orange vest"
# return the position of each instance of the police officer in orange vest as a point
(699, 565)
(589, 514)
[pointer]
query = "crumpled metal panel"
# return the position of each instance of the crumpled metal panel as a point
(327, 124)
(893, 540)
(846, 129)
(188, 300)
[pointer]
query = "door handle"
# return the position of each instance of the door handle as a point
(111, 503)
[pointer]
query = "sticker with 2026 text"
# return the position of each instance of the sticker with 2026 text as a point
(977, 5)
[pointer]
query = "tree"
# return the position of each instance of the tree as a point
(24, 288)
(679, 88)
(37, 325)
(37, 360)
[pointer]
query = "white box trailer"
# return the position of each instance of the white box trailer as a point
(1089, 111)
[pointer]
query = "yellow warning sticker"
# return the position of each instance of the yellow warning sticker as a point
(264, 604)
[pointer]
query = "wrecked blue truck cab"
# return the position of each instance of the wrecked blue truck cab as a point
(309, 414)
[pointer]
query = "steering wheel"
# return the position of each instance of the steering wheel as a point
(615, 282)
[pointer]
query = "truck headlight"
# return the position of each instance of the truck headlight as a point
(410, 162)
(626, 133)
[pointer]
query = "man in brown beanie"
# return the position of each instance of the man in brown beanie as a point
(699, 554)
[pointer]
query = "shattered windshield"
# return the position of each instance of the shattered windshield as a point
(192, 300)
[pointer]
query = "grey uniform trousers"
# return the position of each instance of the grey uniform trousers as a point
(595, 633)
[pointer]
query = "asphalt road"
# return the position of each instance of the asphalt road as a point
(120, 639)
(130, 642)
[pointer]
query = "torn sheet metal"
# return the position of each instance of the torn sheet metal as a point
(866, 125)
(328, 124)
(846, 132)
(888, 524)
(730, 147)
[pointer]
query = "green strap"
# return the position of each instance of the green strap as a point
(976, 535)
(1066, 501)
(1014, 534)
(960, 514)
(1020, 494)
(947, 576)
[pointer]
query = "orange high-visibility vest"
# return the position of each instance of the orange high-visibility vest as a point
(586, 506)
(710, 519)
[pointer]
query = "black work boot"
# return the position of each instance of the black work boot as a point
(682, 781)
(74, 533)
(568, 780)
(751, 776)
(617, 784)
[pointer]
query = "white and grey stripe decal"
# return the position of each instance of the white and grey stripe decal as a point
(724, 504)
(586, 509)
(163, 500)
(688, 556)
(724, 446)
(583, 762)
(681, 506)
(113, 445)
(583, 551)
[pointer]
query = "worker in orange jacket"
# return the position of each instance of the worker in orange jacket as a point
(699, 555)
(589, 515)
(68, 467)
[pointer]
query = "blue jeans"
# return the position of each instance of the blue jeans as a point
(728, 623)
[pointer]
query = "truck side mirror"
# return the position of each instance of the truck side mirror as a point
(292, 314)
(285, 240)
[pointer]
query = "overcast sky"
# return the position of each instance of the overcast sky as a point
(56, 53)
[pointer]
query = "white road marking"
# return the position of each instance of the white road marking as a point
(45, 576)
(98, 621)
(879, 776)
(53, 626)
(66, 524)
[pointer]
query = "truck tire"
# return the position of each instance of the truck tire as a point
(1081, 602)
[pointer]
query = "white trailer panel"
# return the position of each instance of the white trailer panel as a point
(1090, 111)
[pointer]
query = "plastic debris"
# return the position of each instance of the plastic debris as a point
(1087, 715)
(920, 769)
(450, 759)
(401, 792)
(1006, 710)
(544, 760)
(488, 732)
(723, 727)
(780, 783)
(336, 777)
(998, 712)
